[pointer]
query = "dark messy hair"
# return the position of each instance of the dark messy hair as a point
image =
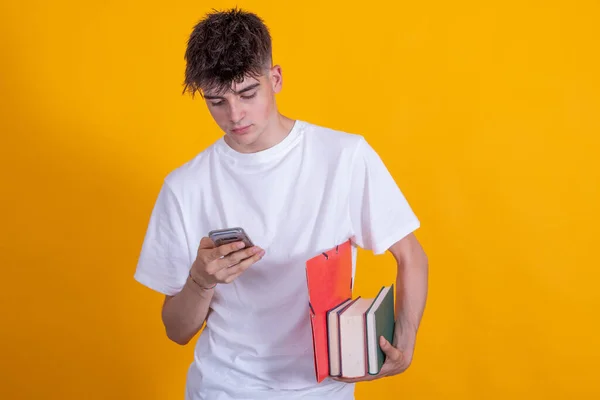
(225, 47)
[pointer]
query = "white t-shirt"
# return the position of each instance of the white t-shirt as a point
(315, 189)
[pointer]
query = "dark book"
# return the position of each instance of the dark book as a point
(380, 321)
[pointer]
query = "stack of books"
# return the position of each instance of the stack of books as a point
(346, 329)
(353, 331)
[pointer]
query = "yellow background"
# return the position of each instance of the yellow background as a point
(487, 114)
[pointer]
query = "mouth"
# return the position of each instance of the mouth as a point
(240, 130)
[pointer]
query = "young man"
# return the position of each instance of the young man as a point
(297, 189)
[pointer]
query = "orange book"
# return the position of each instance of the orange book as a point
(329, 279)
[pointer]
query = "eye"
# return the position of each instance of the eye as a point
(247, 97)
(216, 103)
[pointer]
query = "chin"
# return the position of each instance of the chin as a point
(246, 140)
(248, 136)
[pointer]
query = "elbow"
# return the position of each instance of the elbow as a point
(172, 330)
(176, 337)
(180, 336)
(181, 342)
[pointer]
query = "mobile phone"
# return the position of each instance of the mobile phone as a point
(230, 235)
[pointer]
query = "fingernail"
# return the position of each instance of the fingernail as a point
(262, 253)
(240, 245)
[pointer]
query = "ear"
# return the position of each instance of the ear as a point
(276, 78)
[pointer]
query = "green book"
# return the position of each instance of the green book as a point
(380, 321)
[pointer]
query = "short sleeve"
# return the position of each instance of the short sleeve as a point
(164, 261)
(379, 211)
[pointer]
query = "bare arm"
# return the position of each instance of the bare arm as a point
(411, 282)
(184, 313)
(411, 295)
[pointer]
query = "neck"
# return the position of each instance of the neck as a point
(277, 130)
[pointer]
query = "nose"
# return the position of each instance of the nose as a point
(236, 112)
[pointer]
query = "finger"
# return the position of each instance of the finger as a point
(345, 380)
(232, 277)
(240, 255)
(230, 274)
(225, 249)
(246, 263)
(387, 367)
(354, 380)
(206, 243)
(392, 353)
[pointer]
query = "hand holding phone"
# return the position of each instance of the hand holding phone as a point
(223, 256)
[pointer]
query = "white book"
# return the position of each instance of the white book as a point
(333, 337)
(353, 339)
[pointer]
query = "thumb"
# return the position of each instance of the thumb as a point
(392, 353)
(207, 243)
(384, 343)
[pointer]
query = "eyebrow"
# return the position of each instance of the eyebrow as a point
(244, 90)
